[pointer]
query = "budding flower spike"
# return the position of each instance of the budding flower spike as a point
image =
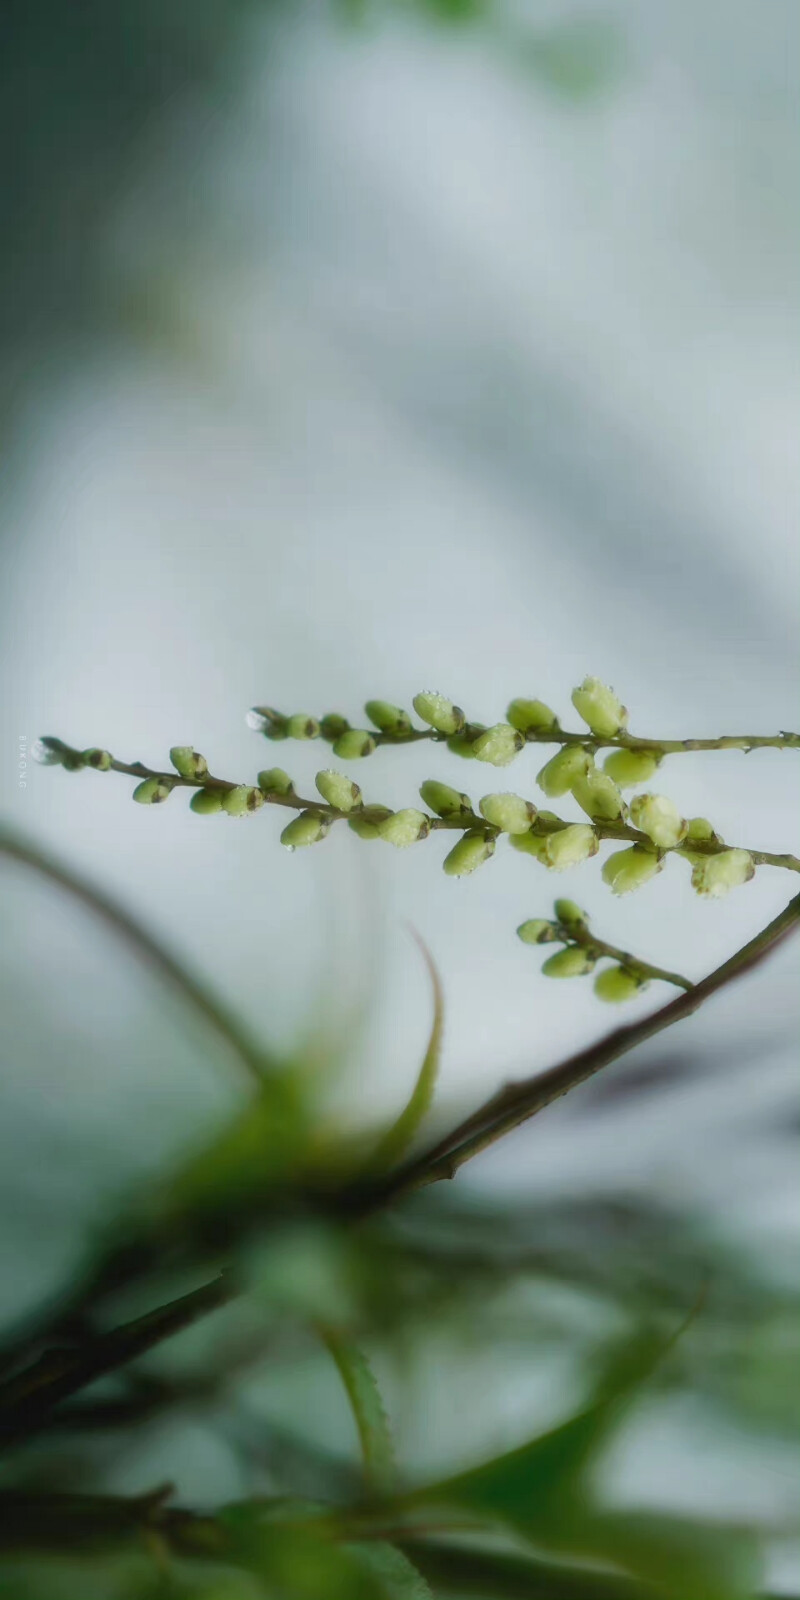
(439, 713)
(402, 828)
(498, 745)
(570, 846)
(469, 854)
(388, 718)
(629, 768)
(656, 816)
(339, 790)
(508, 812)
(537, 931)
(187, 762)
(599, 707)
(308, 828)
(152, 792)
(206, 802)
(617, 984)
(273, 780)
(630, 869)
(353, 744)
(567, 768)
(302, 726)
(531, 716)
(598, 795)
(569, 915)
(266, 720)
(652, 828)
(573, 962)
(446, 802)
(715, 875)
(242, 800)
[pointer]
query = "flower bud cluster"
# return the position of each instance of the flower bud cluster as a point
(581, 953)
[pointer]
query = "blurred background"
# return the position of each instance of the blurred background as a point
(349, 350)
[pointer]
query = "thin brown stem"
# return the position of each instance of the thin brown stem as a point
(518, 1102)
(460, 822)
(251, 1056)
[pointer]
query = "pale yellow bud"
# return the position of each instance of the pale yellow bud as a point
(655, 815)
(508, 812)
(402, 828)
(564, 769)
(599, 707)
(627, 870)
(498, 745)
(715, 875)
(570, 846)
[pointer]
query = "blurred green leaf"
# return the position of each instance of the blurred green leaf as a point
(578, 58)
(399, 1136)
(537, 1487)
(400, 1579)
(679, 1557)
(374, 1432)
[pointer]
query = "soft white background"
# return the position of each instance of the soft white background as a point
(446, 382)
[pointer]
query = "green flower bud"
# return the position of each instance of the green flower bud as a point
(629, 768)
(446, 802)
(367, 826)
(715, 875)
(339, 791)
(333, 726)
(537, 931)
(438, 712)
(389, 718)
(498, 745)
(402, 828)
(302, 726)
(308, 828)
(273, 780)
(700, 829)
(50, 752)
(152, 792)
(570, 915)
(241, 800)
(266, 720)
(206, 803)
(616, 984)
(570, 846)
(599, 707)
(508, 812)
(99, 759)
(530, 844)
(564, 769)
(187, 762)
(574, 962)
(463, 743)
(353, 744)
(598, 795)
(471, 851)
(655, 815)
(531, 716)
(630, 869)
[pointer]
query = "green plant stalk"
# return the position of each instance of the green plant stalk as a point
(465, 820)
(253, 1058)
(518, 1102)
(580, 934)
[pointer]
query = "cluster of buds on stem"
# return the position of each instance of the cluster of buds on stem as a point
(581, 951)
(648, 828)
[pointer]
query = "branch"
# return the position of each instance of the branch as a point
(251, 1056)
(27, 1399)
(517, 1102)
(464, 821)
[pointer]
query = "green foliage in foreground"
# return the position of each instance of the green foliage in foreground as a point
(286, 1243)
